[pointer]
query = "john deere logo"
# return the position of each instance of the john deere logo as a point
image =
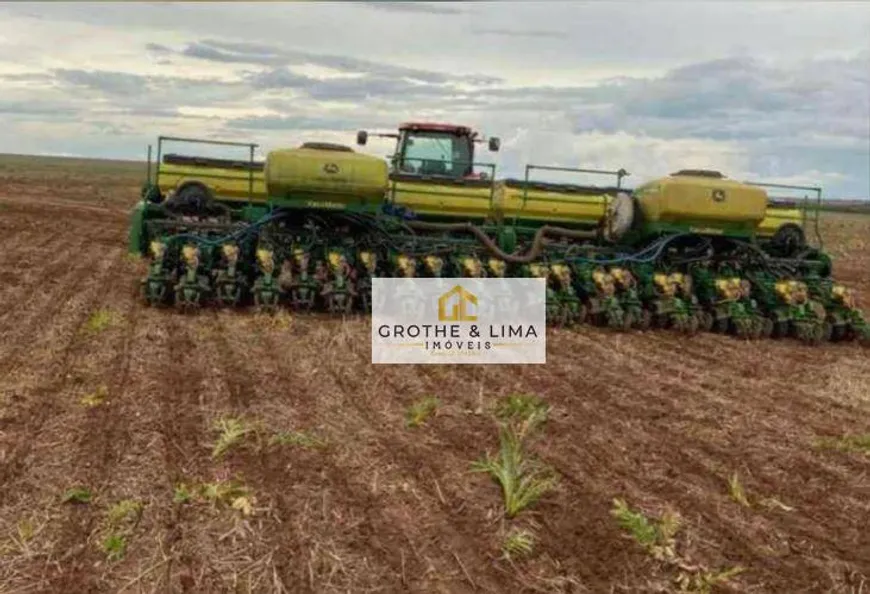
(460, 299)
(331, 168)
(718, 195)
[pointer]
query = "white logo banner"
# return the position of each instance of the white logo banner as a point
(459, 320)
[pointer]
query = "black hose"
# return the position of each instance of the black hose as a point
(530, 256)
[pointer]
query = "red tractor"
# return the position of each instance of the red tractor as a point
(442, 150)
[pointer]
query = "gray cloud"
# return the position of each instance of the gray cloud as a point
(773, 90)
(738, 98)
(415, 7)
(204, 51)
(267, 55)
(530, 33)
(146, 93)
(337, 124)
(158, 48)
(110, 83)
(35, 108)
(348, 89)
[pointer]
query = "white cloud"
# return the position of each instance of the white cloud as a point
(763, 90)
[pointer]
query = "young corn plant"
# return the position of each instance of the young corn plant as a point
(99, 321)
(847, 443)
(702, 581)
(518, 543)
(738, 494)
(95, 398)
(122, 519)
(523, 481)
(232, 432)
(297, 438)
(659, 540)
(115, 546)
(230, 493)
(526, 412)
(420, 411)
(656, 538)
(181, 494)
(77, 495)
(126, 510)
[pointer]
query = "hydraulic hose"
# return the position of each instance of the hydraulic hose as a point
(530, 256)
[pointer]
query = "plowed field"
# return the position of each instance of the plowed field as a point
(327, 489)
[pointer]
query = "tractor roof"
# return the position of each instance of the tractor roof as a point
(432, 127)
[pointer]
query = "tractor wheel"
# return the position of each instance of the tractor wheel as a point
(195, 200)
(780, 329)
(743, 327)
(582, 314)
(789, 239)
(614, 318)
(826, 331)
(692, 324)
(705, 321)
(644, 320)
(661, 321)
(721, 325)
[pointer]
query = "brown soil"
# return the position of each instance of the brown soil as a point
(658, 420)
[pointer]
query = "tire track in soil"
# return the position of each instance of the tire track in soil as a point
(17, 264)
(703, 382)
(102, 439)
(31, 258)
(237, 379)
(694, 388)
(179, 377)
(17, 247)
(43, 403)
(268, 476)
(54, 302)
(706, 382)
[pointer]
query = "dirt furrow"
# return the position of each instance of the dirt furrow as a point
(28, 313)
(702, 467)
(30, 411)
(101, 440)
(23, 262)
(437, 485)
(180, 389)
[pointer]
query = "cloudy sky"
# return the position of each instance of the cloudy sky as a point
(760, 90)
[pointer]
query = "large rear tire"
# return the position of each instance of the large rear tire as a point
(195, 200)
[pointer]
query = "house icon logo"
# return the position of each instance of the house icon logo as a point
(458, 312)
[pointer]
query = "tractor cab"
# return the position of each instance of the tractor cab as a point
(440, 150)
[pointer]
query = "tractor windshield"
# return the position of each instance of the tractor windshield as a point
(435, 153)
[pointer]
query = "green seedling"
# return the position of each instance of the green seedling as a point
(523, 481)
(77, 495)
(232, 432)
(420, 411)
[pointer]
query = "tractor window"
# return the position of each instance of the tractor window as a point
(436, 154)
